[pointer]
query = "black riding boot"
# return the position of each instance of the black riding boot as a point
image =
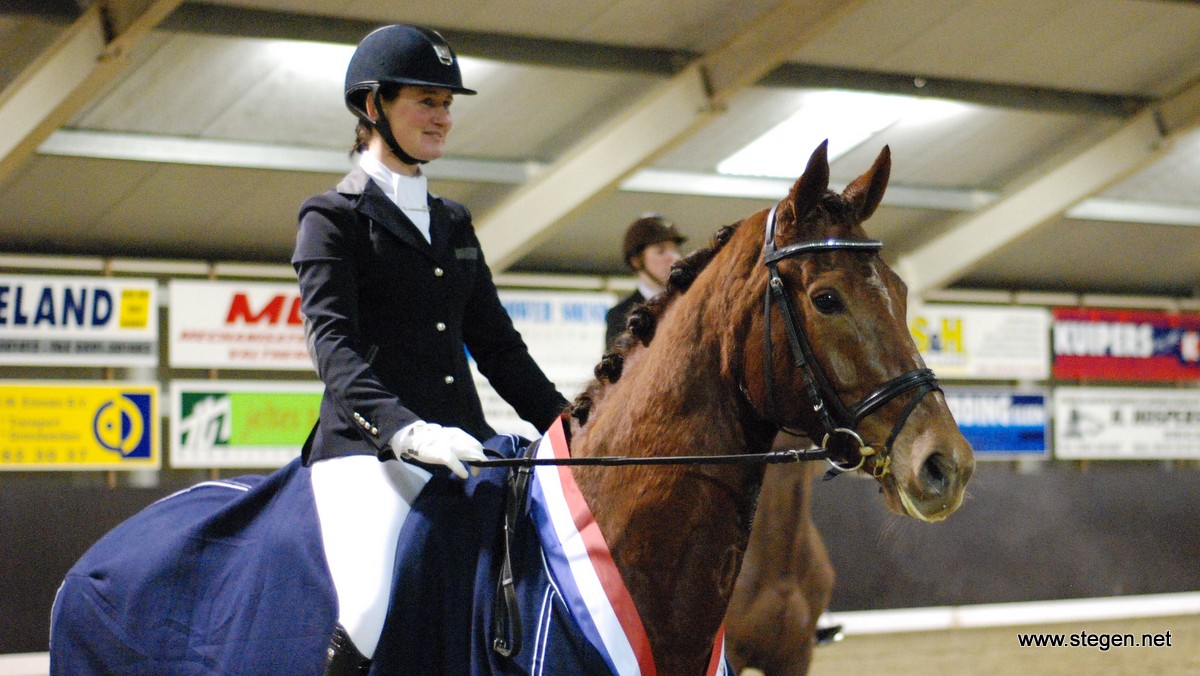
(343, 658)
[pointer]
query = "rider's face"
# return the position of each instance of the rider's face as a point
(420, 120)
(656, 261)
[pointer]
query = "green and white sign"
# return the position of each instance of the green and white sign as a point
(240, 424)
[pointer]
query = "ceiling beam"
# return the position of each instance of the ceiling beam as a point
(667, 115)
(155, 148)
(61, 81)
(1140, 141)
(244, 22)
(53, 9)
(123, 146)
(536, 210)
(992, 94)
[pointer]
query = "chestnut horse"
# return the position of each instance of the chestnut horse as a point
(791, 320)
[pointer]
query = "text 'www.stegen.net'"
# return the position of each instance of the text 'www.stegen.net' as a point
(1101, 641)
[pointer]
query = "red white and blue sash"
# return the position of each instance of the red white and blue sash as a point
(583, 569)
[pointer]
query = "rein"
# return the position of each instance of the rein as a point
(771, 458)
(833, 415)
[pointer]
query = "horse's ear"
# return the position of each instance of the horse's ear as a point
(866, 191)
(812, 184)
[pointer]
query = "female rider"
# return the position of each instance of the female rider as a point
(394, 286)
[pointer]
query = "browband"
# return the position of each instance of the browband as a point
(771, 254)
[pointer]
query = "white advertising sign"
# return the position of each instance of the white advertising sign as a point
(78, 321)
(565, 334)
(1126, 424)
(990, 343)
(237, 325)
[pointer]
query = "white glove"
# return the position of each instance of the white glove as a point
(434, 444)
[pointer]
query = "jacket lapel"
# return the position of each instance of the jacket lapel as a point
(373, 204)
(439, 227)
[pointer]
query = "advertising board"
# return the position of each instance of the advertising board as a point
(565, 334)
(237, 325)
(985, 343)
(1126, 345)
(1001, 423)
(1126, 423)
(78, 321)
(82, 425)
(237, 423)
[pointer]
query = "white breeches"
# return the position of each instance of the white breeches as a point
(362, 504)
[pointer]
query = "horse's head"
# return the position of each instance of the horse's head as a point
(840, 363)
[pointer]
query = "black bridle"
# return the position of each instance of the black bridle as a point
(835, 418)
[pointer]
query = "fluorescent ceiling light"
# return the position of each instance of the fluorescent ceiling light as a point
(668, 182)
(1125, 211)
(845, 118)
(314, 61)
(476, 71)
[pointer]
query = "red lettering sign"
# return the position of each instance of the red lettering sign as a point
(272, 313)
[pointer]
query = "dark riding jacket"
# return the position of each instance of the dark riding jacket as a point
(617, 315)
(389, 315)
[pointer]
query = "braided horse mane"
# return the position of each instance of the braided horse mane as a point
(642, 322)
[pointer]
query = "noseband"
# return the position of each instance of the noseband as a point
(835, 417)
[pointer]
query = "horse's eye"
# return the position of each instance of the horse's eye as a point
(828, 303)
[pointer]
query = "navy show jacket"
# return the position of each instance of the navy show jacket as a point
(389, 314)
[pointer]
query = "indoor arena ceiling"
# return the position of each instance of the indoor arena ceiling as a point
(1040, 147)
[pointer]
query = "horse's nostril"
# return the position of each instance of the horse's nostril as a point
(935, 476)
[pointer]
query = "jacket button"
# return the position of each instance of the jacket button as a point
(438, 272)
(440, 326)
(449, 380)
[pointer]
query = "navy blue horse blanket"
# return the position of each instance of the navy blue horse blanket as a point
(229, 577)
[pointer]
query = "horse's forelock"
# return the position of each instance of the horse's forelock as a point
(832, 215)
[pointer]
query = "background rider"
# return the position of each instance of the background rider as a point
(650, 247)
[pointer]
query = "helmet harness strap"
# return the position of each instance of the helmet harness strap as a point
(384, 127)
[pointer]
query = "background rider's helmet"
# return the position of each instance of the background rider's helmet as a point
(647, 230)
(401, 54)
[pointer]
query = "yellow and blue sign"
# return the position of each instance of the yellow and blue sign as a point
(75, 426)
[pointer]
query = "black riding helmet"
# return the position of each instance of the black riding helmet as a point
(401, 55)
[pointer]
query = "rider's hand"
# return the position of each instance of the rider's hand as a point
(434, 444)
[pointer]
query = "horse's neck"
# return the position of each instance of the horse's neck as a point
(678, 532)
